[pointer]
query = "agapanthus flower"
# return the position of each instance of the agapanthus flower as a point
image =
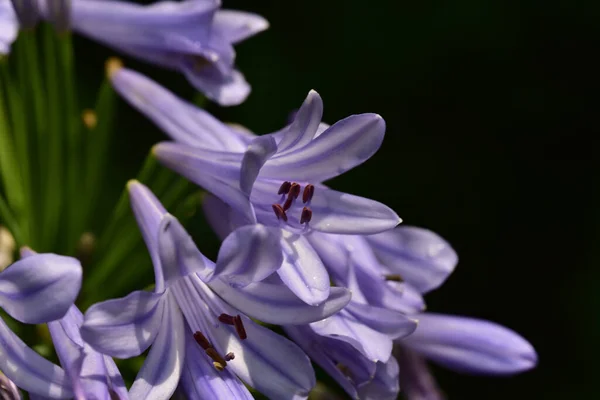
(185, 317)
(194, 37)
(37, 289)
(272, 183)
(8, 389)
(9, 27)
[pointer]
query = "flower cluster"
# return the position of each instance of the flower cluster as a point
(332, 270)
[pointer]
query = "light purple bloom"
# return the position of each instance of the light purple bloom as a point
(183, 304)
(8, 389)
(37, 289)
(9, 27)
(255, 177)
(194, 37)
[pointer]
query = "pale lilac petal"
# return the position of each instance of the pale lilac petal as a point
(277, 304)
(178, 253)
(182, 121)
(344, 327)
(149, 213)
(8, 389)
(124, 327)
(256, 155)
(343, 146)
(471, 345)
(92, 375)
(268, 362)
(230, 90)
(390, 322)
(9, 26)
(200, 379)
(216, 172)
(40, 288)
(221, 218)
(249, 254)
(384, 385)
(416, 381)
(162, 369)
(235, 26)
(303, 127)
(28, 370)
(420, 256)
(302, 270)
(340, 360)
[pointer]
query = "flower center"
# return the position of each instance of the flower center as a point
(292, 191)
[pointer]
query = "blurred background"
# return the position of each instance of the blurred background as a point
(490, 142)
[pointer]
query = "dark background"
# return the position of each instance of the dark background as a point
(491, 125)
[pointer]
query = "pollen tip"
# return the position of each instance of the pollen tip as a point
(113, 65)
(89, 118)
(131, 183)
(218, 366)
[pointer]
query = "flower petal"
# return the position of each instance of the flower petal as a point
(471, 345)
(230, 90)
(343, 146)
(384, 385)
(178, 253)
(162, 369)
(221, 218)
(390, 322)
(40, 288)
(256, 155)
(9, 26)
(28, 370)
(304, 125)
(200, 379)
(277, 304)
(344, 327)
(420, 256)
(249, 254)
(182, 121)
(124, 327)
(416, 381)
(215, 172)
(235, 26)
(302, 270)
(258, 359)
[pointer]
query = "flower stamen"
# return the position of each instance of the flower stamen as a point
(216, 357)
(308, 193)
(279, 212)
(229, 356)
(295, 190)
(393, 278)
(306, 215)
(226, 319)
(239, 327)
(284, 188)
(202, 340)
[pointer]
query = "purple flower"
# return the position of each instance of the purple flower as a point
(185, 317)
(36, 289)
(9, 26)
(270, 183)
(194, 37)
(8, 389)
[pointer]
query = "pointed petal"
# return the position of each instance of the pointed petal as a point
(277, 304)
(249, 254)
(258, 359)
(215, 172)
(9, 26)
(235, 26)
(416, 381)
(304, 126)
(160, 374)
(229, 90)
(28, 370)
(384, 385)
(342, 326)
(149, 213)
(390, 322)
(258, 152)
(471, 345)
(420, 256)
(343, 146)
(40, 288)
(182, 121)
(124, 327)
(200, 379)
(302, 270)
(8, 389)
(178, 253)
(87, 369)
